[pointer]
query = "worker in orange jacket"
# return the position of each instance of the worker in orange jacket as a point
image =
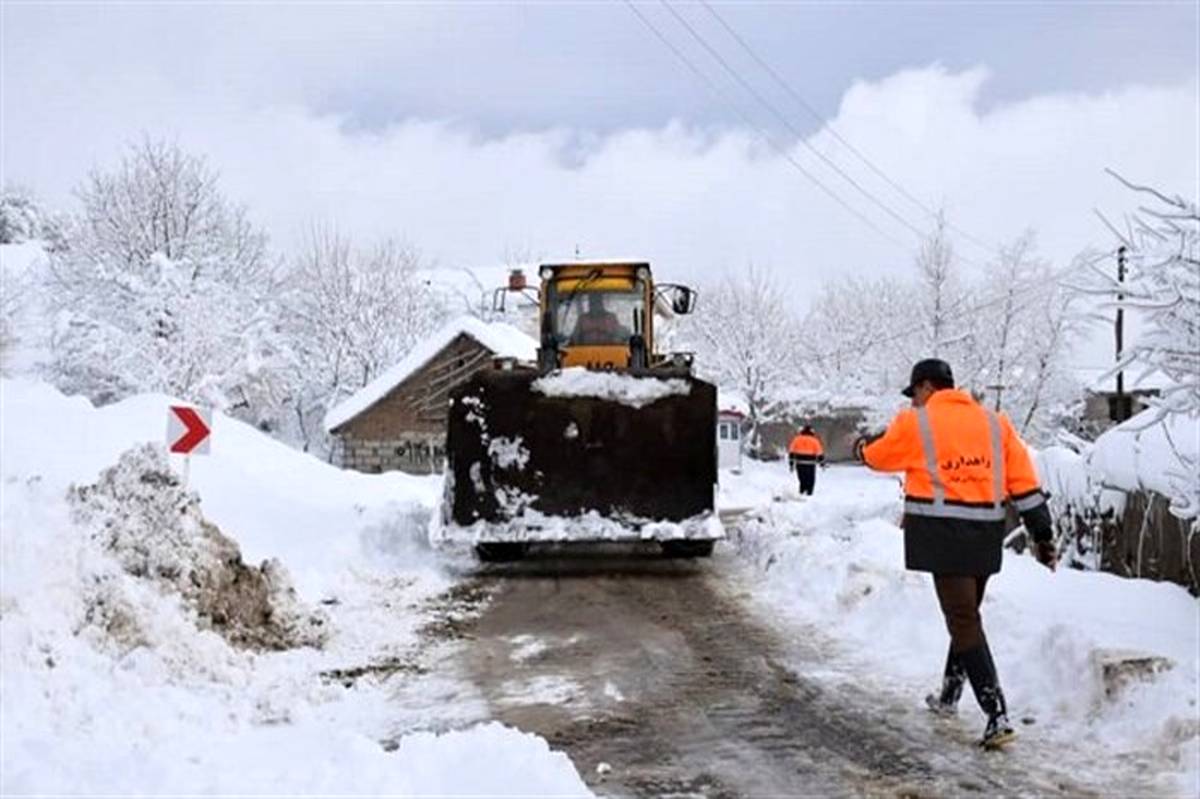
(804, 454)
(962, 463)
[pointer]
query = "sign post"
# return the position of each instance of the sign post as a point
(189, 432)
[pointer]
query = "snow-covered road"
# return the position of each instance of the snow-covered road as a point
(663, 672)
(791, 662)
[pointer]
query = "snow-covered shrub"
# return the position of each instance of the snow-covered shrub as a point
(140, 515)
(22, 218)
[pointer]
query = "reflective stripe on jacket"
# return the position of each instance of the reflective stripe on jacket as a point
(960, 460)
(805, 448)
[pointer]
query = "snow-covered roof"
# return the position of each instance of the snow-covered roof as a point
(504, 340)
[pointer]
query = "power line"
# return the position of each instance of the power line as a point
(782, 151)
(827, 125)
(770, 107)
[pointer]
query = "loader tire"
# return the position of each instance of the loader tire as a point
(501, 552)
(687, 549)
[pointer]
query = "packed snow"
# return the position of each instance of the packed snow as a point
(502, 339)
(835, 562)
(523, 523)
(144, 652)
(636, 392)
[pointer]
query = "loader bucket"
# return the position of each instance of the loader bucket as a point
(526, 464)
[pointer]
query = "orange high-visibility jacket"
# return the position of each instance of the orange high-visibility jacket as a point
(805, 448)
(960, 460)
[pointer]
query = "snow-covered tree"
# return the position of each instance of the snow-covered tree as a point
(1006, 332)
(165, 286)
(352, 312)
(854, 335)
(1045, 388)
(746, 338)
(1162, 246)
(942, 294)
(163, 200)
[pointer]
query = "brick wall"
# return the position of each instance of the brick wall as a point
(406, 430)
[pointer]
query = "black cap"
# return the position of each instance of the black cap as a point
(934, 369)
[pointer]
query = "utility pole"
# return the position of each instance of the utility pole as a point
(1123, 408)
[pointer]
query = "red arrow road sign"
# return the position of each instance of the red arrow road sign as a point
(188, 431)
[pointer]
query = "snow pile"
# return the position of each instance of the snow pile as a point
(140, 655)
(636, 392)
(139, 514)
(836, 561)
(274, 501)
(516, 764)
(502, 339)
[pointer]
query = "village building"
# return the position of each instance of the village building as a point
(397, 422)
(1105, 407)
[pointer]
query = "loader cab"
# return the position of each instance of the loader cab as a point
(595, 315)
(601, 315)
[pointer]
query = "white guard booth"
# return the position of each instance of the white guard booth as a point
(729, 439)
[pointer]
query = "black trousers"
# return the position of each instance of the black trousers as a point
(807, 473)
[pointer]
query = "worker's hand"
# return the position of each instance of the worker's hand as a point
(1046, 554)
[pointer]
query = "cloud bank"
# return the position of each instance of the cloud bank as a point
(696, 200)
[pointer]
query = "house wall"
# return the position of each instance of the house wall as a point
(837, 432)
(406, 430)
(1096, 405)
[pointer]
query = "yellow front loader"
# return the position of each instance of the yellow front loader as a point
(604, 439)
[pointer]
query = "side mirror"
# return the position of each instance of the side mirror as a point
(683, 300)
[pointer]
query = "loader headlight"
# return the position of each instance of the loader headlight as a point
(643, 274)
(545, 273)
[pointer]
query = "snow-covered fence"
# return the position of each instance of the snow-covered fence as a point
(1125, 529)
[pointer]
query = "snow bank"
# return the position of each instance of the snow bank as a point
(636, 392)
(836, 560)
(274, 501)
(139, 514)
(137, 649)
(503, 339)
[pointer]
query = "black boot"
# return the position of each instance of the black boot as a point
(981, 671)
(946, 703)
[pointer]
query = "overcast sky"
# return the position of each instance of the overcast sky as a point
(472, 130)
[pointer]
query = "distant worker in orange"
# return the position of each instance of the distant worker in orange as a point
(804, 454)
(962, 463)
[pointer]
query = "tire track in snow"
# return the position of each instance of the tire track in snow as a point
(656, 668)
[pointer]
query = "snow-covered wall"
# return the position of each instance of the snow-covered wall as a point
(1122, 504)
